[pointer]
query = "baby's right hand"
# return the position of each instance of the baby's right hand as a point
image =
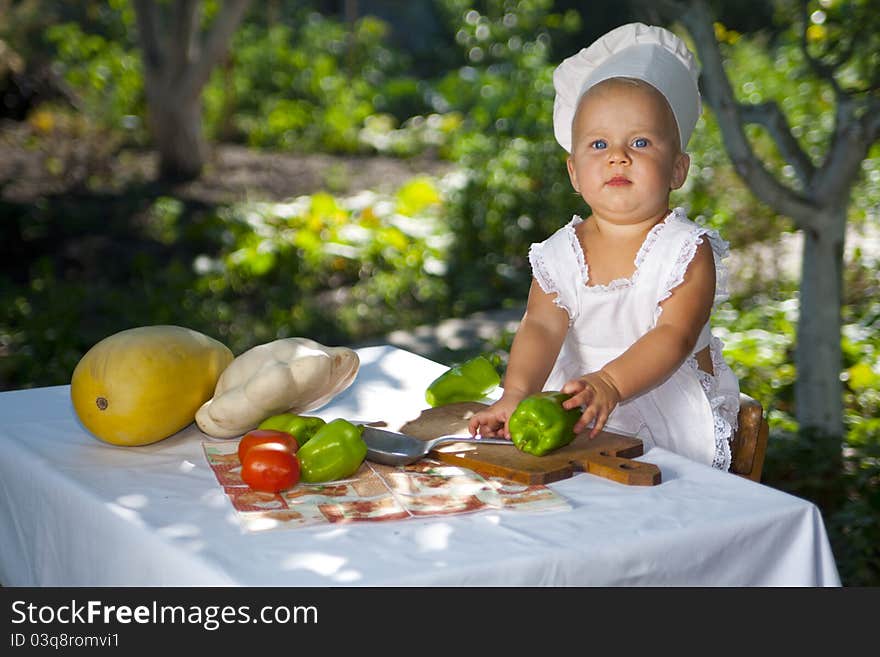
(493, 420)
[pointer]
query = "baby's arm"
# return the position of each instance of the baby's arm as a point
(532, 354)
(655, 355)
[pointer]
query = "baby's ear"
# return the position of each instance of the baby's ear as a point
(680, 170)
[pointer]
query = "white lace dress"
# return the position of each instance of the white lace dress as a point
(692, 413)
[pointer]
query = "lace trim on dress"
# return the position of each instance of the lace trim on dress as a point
(621, 283)
(654, 234)
(723, 428)
(542, 273)
(720, 249)
(679, 269)
(575, 245)
(723, 456)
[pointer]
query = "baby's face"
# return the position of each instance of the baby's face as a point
(625, 156)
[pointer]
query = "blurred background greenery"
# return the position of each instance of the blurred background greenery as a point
(92, 241)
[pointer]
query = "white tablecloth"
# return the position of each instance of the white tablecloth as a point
(75, 511)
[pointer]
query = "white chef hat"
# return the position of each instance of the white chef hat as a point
(635, 50)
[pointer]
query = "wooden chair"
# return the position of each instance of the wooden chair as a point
(749, 445)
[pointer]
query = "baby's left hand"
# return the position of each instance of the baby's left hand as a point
(598, 394)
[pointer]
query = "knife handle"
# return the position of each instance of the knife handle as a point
(468, 439)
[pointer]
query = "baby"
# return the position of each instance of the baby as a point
(618, 311)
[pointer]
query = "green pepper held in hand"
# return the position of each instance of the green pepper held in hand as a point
(301, 427)
(470, 381)
(539, 424)
(334, 452)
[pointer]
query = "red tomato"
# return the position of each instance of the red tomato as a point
(266, 437)
(270, 468)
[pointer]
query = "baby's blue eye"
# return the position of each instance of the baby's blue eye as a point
(640, 142)
(599, 144)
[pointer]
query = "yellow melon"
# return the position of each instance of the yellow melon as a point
(144, 384)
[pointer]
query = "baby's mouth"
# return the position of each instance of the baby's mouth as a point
(618, 181)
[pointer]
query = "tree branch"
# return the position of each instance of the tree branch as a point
(771, 117)
(852, 139)
(216, 44)
(147, 16)
(822, 70)
(719, 96)
(185, 30)
(826, 64)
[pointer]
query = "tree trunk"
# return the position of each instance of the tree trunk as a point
(177, 129)
(178, 58)
(818, 391)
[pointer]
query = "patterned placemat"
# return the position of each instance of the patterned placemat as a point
(374, 493)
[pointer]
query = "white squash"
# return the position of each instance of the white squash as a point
(290, 375)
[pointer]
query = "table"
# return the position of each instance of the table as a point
(75, 511)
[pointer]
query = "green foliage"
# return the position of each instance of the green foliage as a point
(759, 337)
(106, 74)
(25, 24)
(359, 265)
(414, 136)
(516, 191)
(309, 86)
(855, 526)
(505, 85)
(841, 34)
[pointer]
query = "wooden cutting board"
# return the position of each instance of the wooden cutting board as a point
(607, 455)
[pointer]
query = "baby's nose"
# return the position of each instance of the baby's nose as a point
(617, 154)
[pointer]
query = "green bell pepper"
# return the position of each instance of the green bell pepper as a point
(539, 424)
(334, 452)
(301, 427)
(470, 381)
